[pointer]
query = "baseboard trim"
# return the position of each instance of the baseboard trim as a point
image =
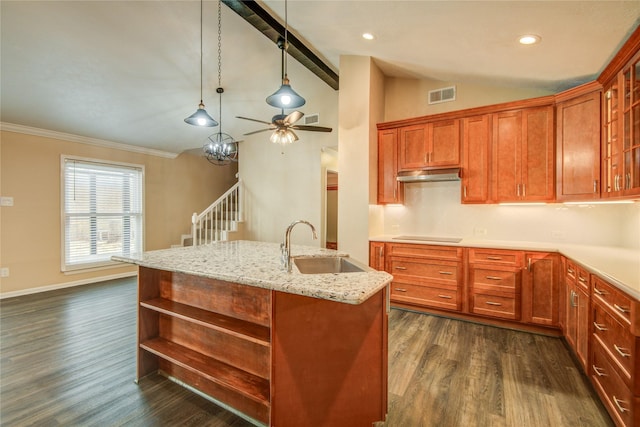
(22, 292)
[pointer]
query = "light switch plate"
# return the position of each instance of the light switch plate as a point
(6, 201)
(4, 272)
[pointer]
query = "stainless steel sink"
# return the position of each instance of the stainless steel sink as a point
(324, 265)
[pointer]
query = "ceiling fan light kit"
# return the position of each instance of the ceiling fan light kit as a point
(201, 117)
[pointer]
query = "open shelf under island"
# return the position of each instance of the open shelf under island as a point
(287, 349)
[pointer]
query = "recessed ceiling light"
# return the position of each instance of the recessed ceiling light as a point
(529, 39)
(368, 36)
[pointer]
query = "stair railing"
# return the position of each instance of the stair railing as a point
(219, 218)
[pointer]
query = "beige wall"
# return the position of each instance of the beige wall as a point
(30, 241)
(406, 98)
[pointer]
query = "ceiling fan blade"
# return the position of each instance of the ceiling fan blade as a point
(293, 117)
(256, 131)
(253, 120)
(294, 135)
(311, 128)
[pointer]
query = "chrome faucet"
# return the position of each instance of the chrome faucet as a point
(285, 248)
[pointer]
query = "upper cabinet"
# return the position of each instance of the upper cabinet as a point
(578, 147)
(476, 137)
(522, 155)
(429, 145)
(389, 189)
(630, 180)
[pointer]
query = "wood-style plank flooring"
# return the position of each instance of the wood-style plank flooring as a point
(67, 358)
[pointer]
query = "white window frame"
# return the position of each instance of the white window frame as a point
(66, 265)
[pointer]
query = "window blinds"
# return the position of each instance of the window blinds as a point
(102, 212)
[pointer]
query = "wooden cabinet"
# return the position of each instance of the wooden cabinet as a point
(425, 275)
(476, 137)
(576, 281)
(578, 147)
(615, 352)
(629, 181)
(263, 353)
(540, 290)
(429, 145)
(389, 189)
(495, 280)
(522, 155)
(611, 142)
(377, 256)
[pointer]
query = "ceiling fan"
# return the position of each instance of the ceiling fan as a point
(283, 127)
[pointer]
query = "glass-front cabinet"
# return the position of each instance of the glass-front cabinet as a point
(621, 133)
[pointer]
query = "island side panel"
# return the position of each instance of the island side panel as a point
(329, 361)
(148, 327)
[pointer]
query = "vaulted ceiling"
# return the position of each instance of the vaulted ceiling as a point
(128, 71)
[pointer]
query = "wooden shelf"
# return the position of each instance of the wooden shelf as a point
(244, 383)
(240, 328)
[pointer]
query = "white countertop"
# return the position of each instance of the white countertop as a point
(618, 266)
(258, 264)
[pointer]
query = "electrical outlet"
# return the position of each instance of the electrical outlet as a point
(6, 201)
(479, 231)
(4, 272)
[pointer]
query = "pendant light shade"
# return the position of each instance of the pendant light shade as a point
(285, 97)
(201, 118)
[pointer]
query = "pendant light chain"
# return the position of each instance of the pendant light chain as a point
(201, 1)
(220, 90)
(286, 30)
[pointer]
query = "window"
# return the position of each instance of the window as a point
(102, 212)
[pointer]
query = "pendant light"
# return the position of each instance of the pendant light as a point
(285, 97)
(201, 117)
(220, 148)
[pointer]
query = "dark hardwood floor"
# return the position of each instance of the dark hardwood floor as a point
(67, 358)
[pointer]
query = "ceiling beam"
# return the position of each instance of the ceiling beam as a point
(254, 14)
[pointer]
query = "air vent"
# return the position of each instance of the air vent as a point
(312, 119)
(445, 94)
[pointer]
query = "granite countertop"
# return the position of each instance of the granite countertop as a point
(258, 264)
(618, 266)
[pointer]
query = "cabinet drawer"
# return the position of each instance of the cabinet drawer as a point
(425, 295)
(616, 396)
(504, 307)
(615, 337)
(571, 272)
(618, 302)
(496, 257)
(497, 280)
(426, 270)
(426, 251)
(582, 278)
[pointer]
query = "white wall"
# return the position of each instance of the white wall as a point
(435, 209)
(284, 184)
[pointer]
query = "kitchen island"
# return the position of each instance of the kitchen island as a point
(288, 349)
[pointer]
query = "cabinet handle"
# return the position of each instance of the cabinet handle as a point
(494, 278)
(598, 291)
(464, 189)
(401, 290)
(570, 271)
(599, 327)
(599, 371)
(618, 404)
(582, 279)
(492, 303)
(628, 186)
(621, 309)
(518, 190)
(573, 299)
(621, 351)
(401, 268)
(494, 258)
(446, 273)
(524, 190)
(529, 264)
(595, 185)
(445, 296)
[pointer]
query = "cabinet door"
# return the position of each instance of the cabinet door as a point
(578, 148)
(389, 189)
(629, 181)
(413, 147)
(507, 141)
(537, 164)
(571, 321)
(377, 256)
(582, 326)
(444, 143)
(611, 142)
(540, 296)
(476, 134)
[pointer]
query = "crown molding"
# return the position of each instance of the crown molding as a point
(27, 130)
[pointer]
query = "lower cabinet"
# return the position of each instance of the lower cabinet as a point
(577, 311)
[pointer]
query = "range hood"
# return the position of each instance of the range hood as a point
(433, 175)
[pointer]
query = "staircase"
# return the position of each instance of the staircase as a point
(220, 221)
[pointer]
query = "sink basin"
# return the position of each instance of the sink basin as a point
(323, 265)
